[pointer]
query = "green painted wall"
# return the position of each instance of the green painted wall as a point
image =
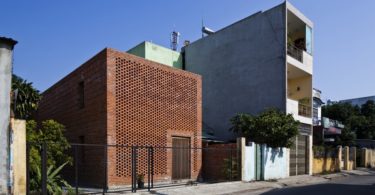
(158, 54)
(138, 50)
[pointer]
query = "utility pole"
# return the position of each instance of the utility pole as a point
(6, 63)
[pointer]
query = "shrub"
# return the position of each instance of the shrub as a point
(271, 127)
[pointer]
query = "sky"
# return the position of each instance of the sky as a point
(55, 37)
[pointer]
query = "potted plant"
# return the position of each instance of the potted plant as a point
(141, 180)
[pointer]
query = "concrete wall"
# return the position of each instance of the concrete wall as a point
(6, 54)
(327, 160)
(300, 88)
(275, 163)
(18, 149)
(243, 67)
(248, 163)
(158, 54)
(349, 154)
(259, 162)
(325, 165)
(367, 158)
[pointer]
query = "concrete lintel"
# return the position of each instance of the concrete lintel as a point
(299, 14)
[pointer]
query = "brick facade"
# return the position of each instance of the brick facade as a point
(127, 101)
(214, 158)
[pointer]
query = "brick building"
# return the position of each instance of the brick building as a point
(116, 98)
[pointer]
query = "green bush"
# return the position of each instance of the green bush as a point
(230, 168)
(271, 127)
(51, 133)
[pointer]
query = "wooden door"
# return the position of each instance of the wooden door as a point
(181, 158)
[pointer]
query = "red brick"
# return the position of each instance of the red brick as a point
(128, 101)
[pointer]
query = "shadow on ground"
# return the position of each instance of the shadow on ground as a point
(323, 189)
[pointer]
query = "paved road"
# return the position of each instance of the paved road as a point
(354, 184)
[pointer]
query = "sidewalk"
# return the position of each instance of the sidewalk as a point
(238, 187)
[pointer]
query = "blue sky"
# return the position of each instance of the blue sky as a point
(55, 37)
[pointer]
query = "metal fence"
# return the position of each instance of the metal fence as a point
(100, 168)
(295, 52)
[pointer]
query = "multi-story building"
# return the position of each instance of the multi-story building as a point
(317, 107)
(327, 131)
(358, 101)
(262, 61)
(116, 98)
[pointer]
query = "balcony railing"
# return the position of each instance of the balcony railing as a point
(295, 52)
(304, 110)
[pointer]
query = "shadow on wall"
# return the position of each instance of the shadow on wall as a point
(178, 63)
(341, 189)
(275, 152)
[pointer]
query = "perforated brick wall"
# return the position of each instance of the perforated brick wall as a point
(127, 101)
(153, 103)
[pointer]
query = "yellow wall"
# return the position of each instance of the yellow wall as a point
(305, 86)
(19, 156)
(321, 165)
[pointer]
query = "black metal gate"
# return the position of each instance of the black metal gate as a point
(88, 171)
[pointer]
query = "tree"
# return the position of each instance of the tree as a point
(359, 121)
(50, 132)
(346, 138)
(368, 109)
(27, 98)
(271, 127)
(340, 111)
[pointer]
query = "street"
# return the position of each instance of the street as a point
(352, 184)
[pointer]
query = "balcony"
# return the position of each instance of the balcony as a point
(295, 52)
(299, 42)
(304, 110)
(299, 111)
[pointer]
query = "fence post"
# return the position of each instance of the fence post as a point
(133, 172)
(44, 168)
(148, 167)
(27, 168)
(363, 157)
(76, 168)
(230, 165)
(152, 167)
(354, 156)
(132, 160)
(339, 157)
(105, 170)
(135, 168)
(241, 144)
(346, 158)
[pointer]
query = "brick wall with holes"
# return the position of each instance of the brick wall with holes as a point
(127, 101)
(149, 103)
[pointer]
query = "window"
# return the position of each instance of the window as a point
(82, 149)
(315, 112)
(81, 94)
(309, 40)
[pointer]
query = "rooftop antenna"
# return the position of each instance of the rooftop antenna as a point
(175, 36)
(202, 28)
